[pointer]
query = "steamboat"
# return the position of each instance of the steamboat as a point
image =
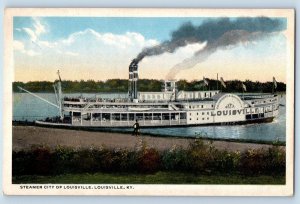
(170, 107)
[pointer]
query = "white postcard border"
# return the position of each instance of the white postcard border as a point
(137, 190)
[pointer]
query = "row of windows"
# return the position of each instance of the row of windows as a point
(152, 96)
(203, 113)
(202, 118)
(159, 96)
(265, 101)
(200, 106)
(198, 95)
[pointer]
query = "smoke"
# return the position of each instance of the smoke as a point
(229, 40)
(218, 33)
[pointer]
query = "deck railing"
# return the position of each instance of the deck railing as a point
(128, 123)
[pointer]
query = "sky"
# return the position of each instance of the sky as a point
(102, 48)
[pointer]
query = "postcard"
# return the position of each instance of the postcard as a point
(159, 102)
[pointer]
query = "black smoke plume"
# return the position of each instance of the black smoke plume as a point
(227, 41)
(217, 33)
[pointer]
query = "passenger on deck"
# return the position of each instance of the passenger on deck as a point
(136, 128)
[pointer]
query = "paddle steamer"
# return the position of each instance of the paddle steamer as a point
(170, 107)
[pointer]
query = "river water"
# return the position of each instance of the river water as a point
(27, 107)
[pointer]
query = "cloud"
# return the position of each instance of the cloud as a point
(47, 44)
(35, 32)
(31, 53)
(86, 41)
(94, 47)
(105, 53)
(18, 45)
(89, 54)
(31, 34)
(117, 40)
(38, 27)
(71, 53)
(109, 52)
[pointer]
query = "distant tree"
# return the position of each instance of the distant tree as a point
(121, 85)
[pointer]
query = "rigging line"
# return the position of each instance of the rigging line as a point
(38, 97)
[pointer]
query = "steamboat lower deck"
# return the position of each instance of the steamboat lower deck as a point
(214, 109)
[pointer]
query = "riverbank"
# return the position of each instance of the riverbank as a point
(157, 178)
(24, 137)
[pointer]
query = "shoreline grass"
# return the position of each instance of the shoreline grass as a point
(160, 177)
(199, 163)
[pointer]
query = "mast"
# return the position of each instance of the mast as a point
(59, 96)
(217, 81)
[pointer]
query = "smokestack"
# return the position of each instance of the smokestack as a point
(133, 79)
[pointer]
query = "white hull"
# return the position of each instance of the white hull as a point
(221, 109)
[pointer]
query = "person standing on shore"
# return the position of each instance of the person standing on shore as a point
(136, 128)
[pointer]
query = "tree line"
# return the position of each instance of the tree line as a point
(121, 85)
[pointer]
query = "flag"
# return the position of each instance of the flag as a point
(244, 87)
(205, 81)
(222, 82)
(58, 75)
(274, 82)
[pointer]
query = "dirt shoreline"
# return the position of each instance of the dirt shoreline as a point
(24, 137)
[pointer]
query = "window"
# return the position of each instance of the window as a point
(201, 106)
(197, 113)
(207, 118)
(202, 113)
(207, 113)
(202, 118)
